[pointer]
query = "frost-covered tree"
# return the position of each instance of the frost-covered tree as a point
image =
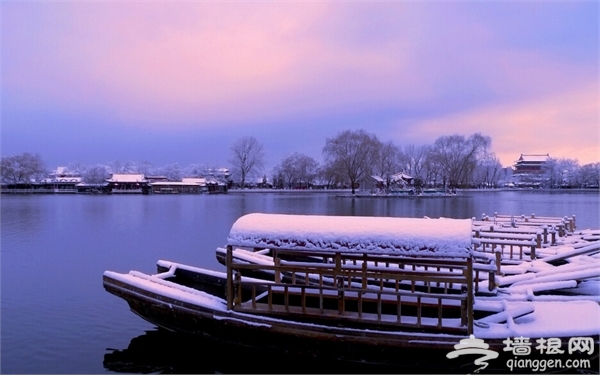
(195, 170)
(23, 167)
(247, 158)
(171, 171)
(589, 175)
(96, 174)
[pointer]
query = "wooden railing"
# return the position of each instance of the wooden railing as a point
(419, 293)
(511, 238)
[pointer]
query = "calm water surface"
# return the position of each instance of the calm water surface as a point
(57, 318)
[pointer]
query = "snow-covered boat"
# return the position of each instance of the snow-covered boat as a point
(364, 289)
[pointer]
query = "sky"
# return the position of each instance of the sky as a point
(180, 81)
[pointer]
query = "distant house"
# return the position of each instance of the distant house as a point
(185, 186)
(60, 181)
(398, 181)
(128, 184)
(531, 163)
(190, 185)
(216, 185)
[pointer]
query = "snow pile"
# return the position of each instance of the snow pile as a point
(383, 235)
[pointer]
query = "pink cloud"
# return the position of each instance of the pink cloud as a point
(564, 125)
(200, 64)
(242, 61)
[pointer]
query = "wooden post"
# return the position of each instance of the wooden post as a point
(532, 254)
(538, 241)
(498, 262)
(229, 261)
(277, 262)
(238, 285)
(491, 280)
(364, 271)
(338, 277)
(470, 299)
(572, 223)
(545, 234)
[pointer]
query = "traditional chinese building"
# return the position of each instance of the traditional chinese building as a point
(531, 163)
(185, 186)
(60, 181)
(128, 184)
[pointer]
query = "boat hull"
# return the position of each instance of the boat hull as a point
(392, 350)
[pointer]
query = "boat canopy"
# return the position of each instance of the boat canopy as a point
(376, 235)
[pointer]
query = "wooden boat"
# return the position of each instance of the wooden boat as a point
(356, 289)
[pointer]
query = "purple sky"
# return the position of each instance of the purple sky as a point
(168, 82)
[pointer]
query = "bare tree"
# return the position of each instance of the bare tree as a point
(22, 168)
(96, 174)
(143, 167)
(487, 171)
(76, 168)
(589, 175)
(386, 161)
(171, 171)
(353, 152)
(298, 169)
(561, 172)
(195, 170)
(457, 156)
(286, 171)
(331, 175)
(247, 158)
(413, 159)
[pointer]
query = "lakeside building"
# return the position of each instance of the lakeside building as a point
(199, 185)
(529, 171)
(399, 183)
(531, 163)
(60, 181)
(128, 184)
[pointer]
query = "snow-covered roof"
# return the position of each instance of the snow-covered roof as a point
(402, 176)
(174, 183)
(383, 235)
(193, 180)
(127, 178)
(534, 157)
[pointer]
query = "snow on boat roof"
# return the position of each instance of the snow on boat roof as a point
(382, 235)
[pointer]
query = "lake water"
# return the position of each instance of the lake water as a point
(57, 318)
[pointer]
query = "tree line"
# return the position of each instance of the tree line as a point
(350, 159)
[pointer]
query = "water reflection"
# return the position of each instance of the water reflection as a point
(164, 352)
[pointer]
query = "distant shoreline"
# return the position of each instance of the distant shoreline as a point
(364, 194)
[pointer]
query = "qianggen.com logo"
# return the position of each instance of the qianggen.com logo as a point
(522, 347)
